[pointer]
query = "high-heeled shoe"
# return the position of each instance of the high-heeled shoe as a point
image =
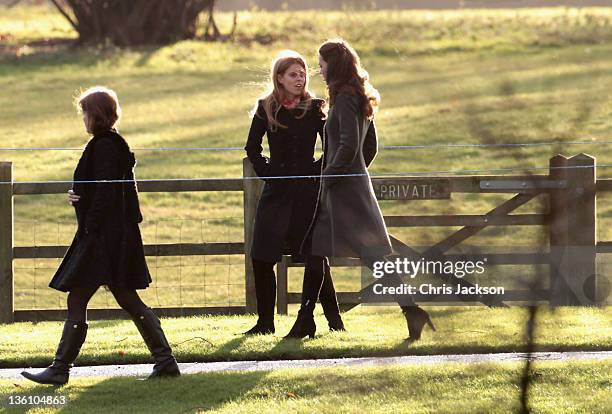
(416, 319)
(329, 301)
(304, 325)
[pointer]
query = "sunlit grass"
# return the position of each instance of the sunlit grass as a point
(372, 331)
(446, 388)
(534, 75)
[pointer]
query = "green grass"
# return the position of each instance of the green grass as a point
(448, 388)
(372, 331)
(445, 77)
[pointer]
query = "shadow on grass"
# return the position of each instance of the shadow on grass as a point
(231, 345)
(188, 393)
(50, 53)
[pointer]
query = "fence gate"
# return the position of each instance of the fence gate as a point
(570, 188)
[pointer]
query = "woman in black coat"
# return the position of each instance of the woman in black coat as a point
(107, 248)
(291, 118)
(348, 221)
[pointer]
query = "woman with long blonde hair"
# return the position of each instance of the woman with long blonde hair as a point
(291, 117)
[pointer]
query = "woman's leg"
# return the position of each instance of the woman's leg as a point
(329, 301)
(314, 273)
(149, 326)
(73, 336)
(78, 298)
(129, 300)
(265, 291)
(416, 317)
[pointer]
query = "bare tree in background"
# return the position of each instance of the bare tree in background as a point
(138, 22)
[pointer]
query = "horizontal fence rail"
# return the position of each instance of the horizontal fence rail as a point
(170, 249)
(162, 186)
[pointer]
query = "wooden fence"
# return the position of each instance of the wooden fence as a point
(8, 252)
(570, 185)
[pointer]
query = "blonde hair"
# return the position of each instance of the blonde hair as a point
(274, 96)
(101, 106)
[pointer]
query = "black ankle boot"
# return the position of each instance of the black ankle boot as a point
(149, 326)
(416, 319)
(261, 328)
(304, 324)
(58, 372)
(335, 323)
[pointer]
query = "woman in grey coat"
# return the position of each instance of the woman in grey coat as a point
(348, 221)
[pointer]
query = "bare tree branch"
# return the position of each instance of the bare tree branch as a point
(65, 14)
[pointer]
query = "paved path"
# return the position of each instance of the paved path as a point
(197, 367)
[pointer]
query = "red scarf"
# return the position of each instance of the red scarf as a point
(292, 103)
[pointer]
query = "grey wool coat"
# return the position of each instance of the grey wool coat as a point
(348, 221)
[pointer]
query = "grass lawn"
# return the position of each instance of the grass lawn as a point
(469, 76)
(567, 387)
(372, 331)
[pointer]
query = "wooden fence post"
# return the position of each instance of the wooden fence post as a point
(252, 193)
(558, 234)
(582, 228)
(6, 243)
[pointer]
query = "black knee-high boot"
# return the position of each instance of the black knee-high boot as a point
(265, 291)
(149, 326)
(313, 279)
(58, 372)
(329, 301)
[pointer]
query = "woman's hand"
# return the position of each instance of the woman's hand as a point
(73, 198)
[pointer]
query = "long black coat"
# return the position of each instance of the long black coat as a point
(107, 248)
(348, 220)
(286, 206)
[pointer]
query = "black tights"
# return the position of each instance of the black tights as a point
(79, 297)
(317, 285)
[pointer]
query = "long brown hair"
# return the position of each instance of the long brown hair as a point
(345, 74)
(274, 96)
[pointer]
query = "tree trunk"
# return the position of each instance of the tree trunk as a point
(133, 22)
